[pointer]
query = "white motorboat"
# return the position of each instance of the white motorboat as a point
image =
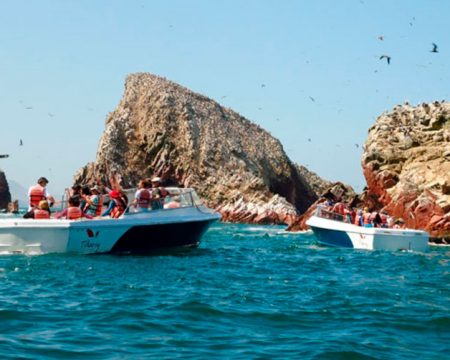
(133, 232)
(331, 230)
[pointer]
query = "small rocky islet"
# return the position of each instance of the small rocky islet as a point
(239, 169)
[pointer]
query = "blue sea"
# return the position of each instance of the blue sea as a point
(248, 292)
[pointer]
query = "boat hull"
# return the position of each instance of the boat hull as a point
(133, 233)
(339, 234)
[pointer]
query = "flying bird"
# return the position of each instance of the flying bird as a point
(387, 57)
(435, 48)
(29, 107)
(51, 115)
(263, 85)
(20, 142)
(381, 37)
(309, 139)
(312, 99)
(4, 156)
(357, 145)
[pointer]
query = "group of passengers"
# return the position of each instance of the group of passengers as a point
(87, 202)
(339, 210)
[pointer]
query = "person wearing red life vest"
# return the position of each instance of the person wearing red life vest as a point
(94, 202)
(142, 196)
(42, 211)
(159, 194)
(73, 211)
(39, 192)
(117, 205)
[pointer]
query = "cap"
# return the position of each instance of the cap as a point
(41, 179)
(156, 179)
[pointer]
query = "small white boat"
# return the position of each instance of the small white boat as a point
(133, 232)
(332, 231)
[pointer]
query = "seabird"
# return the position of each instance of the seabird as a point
(50, 114)
(435, 48)
(312, 99)
(387, 57)
(263, 85)
(29, 107)
(20, 142)
(381, 37)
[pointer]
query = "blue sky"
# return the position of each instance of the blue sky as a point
(63, 66)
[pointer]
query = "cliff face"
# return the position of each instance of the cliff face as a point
(318, 184)
(406, 163)
(161, 128)
(5, 196)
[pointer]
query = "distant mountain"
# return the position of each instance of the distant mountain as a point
(18, 192)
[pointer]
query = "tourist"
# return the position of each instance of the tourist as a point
(94, 202)
(73, 211)
(399, 224)
(142, 197)
(173, 202)
(367, 218)
(117, 205)
(39, 192)
(158, 194)
(42, 211)
(375, 219)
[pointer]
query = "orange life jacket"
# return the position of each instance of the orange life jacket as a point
(144, 198)
(41, 214)
(357, 219)
(74, 213)
(366, 218)
(36, 195)
(118, 209)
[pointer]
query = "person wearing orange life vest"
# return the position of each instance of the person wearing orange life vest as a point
(367, 218)
(94, 202)
(73, 211)
(142, 197)
(38, 192)
(117, 205)
(42, 211)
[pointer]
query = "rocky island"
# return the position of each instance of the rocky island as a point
(5, 196)
(406, 163)
(161, 128)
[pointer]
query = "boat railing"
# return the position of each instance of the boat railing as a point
(323, 212)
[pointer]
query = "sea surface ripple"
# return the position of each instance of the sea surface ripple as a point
(248, 292)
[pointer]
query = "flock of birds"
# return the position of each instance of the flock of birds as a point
(388, 58)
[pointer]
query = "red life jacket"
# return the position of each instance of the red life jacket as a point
(118, 209)
(36, 195)
(144, 198)
(98, 207)
(74, 213)
(98, 211)
(41, 214)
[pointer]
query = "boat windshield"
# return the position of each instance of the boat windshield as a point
(323, 212)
